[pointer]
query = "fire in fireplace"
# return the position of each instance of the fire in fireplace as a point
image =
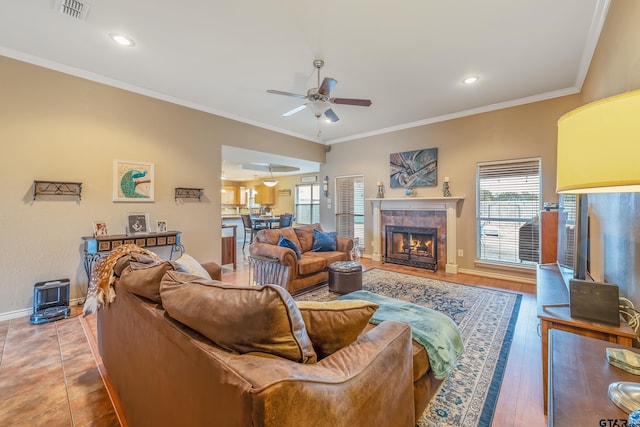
(413, 246)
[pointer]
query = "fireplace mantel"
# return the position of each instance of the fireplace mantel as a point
(448, 204)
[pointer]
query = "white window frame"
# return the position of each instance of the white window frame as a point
(507, 229)
(315, 201)
(350, 207)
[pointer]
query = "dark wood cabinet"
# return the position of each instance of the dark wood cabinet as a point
(548, 237)
(229, 247)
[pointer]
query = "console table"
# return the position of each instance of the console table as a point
(579, 378)
(551, 289)
(97, 247)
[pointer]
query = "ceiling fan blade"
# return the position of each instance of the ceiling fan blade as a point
(295, 110)
(331, 115)
(279, 92)
(327, 85)
(351, 101)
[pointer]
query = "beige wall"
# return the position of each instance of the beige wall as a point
(511, 133)
(58, 127)
(613, 218)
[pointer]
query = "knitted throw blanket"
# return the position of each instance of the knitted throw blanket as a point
(103, 278)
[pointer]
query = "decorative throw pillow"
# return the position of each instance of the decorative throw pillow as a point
(144, 279)
(192, 266)
(333, 325)
(324, 241)
(286, 243)
(242, 319)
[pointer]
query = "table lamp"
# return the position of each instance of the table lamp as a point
(599, 152)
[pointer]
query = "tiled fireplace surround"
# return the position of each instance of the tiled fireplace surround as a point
(436, 212)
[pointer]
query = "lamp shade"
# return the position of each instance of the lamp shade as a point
(599, 146)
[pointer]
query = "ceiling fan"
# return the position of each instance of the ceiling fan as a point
(320, 97)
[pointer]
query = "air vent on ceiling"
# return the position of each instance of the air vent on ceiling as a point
(73, 8)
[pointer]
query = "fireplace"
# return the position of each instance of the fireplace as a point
(412, 246)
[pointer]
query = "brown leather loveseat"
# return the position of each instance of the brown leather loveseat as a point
(311, 268)
(180, 349)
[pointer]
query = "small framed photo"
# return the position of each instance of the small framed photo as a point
(100, 229)
(161, 226)
(136, 223)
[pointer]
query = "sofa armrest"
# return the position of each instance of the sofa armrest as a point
(369, 382)
(214, 270)
(344, 244)
(284, 255)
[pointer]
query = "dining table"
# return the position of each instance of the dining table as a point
(265, 221)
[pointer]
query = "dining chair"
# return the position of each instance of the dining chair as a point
(285, 221)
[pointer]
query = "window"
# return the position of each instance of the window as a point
(350, 207)
(508, 205)
(307, 203)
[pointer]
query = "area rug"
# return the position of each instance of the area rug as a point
(486, 319)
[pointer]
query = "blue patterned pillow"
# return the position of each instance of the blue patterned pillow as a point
(324, 241)
(287, 243)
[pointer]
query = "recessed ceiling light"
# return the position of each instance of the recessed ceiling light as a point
(470, 80)
(122, 40)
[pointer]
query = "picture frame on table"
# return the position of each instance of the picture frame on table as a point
(100, 229)
(161, 226)
(136, 223)
(133, 181)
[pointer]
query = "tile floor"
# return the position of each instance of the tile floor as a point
(48, 376)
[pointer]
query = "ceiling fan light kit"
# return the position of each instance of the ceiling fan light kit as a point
(320, 98)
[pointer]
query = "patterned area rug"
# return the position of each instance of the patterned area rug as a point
(486, 319)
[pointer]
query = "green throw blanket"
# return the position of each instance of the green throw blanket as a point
(434, 330)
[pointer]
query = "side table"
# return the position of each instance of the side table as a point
(579, 378)
(551, 289)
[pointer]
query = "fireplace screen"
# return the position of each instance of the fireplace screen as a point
(412, 246)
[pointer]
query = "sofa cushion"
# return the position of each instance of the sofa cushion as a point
(310, 264)
(287, 243)
(305, 236)
(243, 319)
(324, 241)
(192, 266)
(332, 325)
(144, 279)
(330, 257)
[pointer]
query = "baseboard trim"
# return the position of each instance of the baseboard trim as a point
(519, 279)
(16, 314)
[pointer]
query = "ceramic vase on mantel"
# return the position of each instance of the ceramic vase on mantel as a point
(409, 192)
(380, 194)
(445, 187)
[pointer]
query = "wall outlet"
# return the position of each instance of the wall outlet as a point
(460, 252)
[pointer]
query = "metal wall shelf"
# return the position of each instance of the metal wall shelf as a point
(188, 193)
(57, 188)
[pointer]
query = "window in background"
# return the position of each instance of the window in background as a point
(307, 203)
(350, 207)
(508, 206)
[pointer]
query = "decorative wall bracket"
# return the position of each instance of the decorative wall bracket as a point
(57, 188)
(188, 193)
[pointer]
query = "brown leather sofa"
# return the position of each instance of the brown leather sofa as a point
(297, 274)
(166, 374)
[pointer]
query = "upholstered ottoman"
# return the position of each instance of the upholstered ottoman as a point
(345, 277)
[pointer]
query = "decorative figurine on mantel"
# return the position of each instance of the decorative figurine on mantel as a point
(445, 187)
(380, 190)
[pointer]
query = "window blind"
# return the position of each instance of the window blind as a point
(350, 207)
(508, 205)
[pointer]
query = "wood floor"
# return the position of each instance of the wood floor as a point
(37, 360)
